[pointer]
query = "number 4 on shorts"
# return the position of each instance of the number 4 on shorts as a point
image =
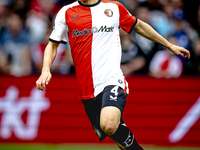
(114, 90)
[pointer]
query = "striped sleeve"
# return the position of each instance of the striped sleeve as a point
(127, 21)
(60, 29)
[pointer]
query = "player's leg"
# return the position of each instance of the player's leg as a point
(125, 139)
(119, 133)
(119, 145)
(113, 102)
(110, 119)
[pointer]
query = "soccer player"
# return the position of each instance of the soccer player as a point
(92, 29)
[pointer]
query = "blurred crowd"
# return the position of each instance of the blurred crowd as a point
(25, 26)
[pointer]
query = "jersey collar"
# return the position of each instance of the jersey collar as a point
(89, 5)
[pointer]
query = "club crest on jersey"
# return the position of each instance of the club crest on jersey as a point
(108, 12)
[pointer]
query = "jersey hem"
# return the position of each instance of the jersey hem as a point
(57, 42)
(133, 26)
(125, 89)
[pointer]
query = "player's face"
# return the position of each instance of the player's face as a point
(89, 1)
(84, 1)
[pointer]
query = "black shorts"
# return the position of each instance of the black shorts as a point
(111, 96)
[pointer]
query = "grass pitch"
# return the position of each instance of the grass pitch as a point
(82, 147)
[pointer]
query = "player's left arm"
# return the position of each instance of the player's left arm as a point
(147, 31)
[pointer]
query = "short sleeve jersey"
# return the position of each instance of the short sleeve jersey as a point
(93, 34)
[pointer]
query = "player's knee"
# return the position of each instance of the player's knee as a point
(109, 127)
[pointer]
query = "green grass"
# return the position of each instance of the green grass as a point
(82, 147)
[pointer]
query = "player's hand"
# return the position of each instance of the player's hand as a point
(43, 80)
(180, 51)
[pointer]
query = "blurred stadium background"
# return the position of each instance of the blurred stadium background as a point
(163, 107)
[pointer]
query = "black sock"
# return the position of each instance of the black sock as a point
(125, 137)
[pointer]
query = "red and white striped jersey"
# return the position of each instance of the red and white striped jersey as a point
(93, 34)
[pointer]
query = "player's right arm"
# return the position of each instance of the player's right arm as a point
(57, 36)
(49, 56)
